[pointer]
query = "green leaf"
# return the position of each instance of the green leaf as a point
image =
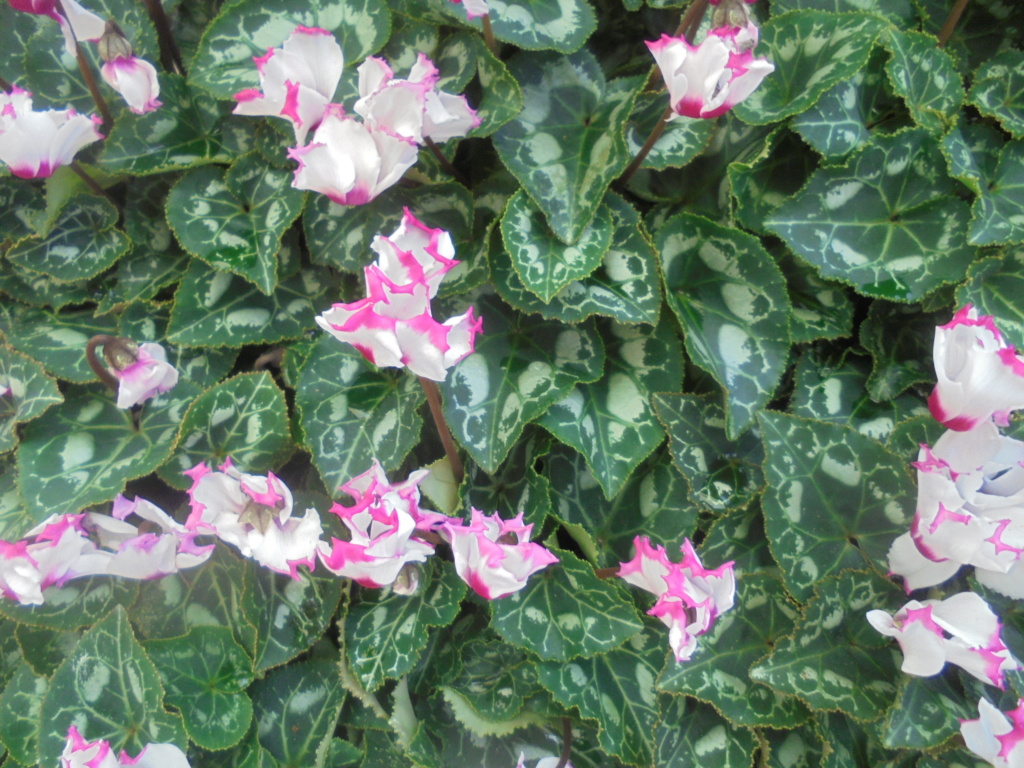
(110, 690)
(836, 660)
(189, 129)
(999, 211)
(926, 78)
(289, 614)
(567, 146)
(45, 649)
(41, 290)
(244, 418)
(20, 705)
(15, 520)
(246, 754)
(998, 91)
(896, 10)
(20, 204)
(234, 220)
(223, 64)
(972, 153)
(927, 712)
(738, 536)
(296, 711)
(210, 595)
(543, 264)
(84, 450)
(340, 236)
(557, 25)
(205, 674)
(836, 499)
(821, 309)
(501, 97)
(31, 393)
(625, 285)
(762, 183)
(352, 412)
(220, 310)
(900, 338)
(683, 139)
(565, 612)
(516, 486)
(520, 367)
(730, 298)
(886, 223)
(78, 603)
(722, 474)
(494, 680)
(16, 27)
(848, 742)
(718, 673)
(653, 503)
(611, 422)
(799, 746)
(385, 632)
(691, 728)
(55, 340)
(991, 286)
(812, 51)
(616, 689)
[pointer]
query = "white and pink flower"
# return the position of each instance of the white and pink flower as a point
(297, 80)
(690, 596)
(135, 79)
(349, 161)
(996, 737)
(393, 326)
(979, 375)
(34, 144)
(709, 79)
(49, 555)
(411, 108)
(79, 753)
(382, 527)
(961, 630)
(146, 376)
(494, 556)
(254, 514)
(80, 24)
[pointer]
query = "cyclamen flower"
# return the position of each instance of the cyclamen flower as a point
(80, 24)
(393, 326)
(961, 630)
(690, 596)
(135, 79)
(382, 526)
(411, 108)
(474, 8)
(49, 555)
(996, 737)
(494, 556)
(79, 753)
(544, 762)
(34, 144)
(146, 376)
(979, 374)
(350, 162)
(253, 513)
(297, 80)
(709, 79)
(970, 511)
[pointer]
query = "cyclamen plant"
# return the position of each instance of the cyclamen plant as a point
(666, 277)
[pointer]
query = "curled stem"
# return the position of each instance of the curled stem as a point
(951, 21)
(646, 148)
(87, 73)
(170, 55)
(489, 38)
(445, 163)
(101, 340)
(434, 400)
(563, 759)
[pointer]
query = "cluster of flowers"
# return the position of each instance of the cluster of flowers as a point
(709, 79)
(350, 160)
(79, 753)
(970, 511)
(35, 143)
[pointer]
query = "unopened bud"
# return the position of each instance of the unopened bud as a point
(114, 45)
(120, 353)
(408, 580)
(730, 13)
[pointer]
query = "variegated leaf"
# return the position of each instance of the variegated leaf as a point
(994, 286)
(925, 76)
(690, 728)
(998, 91)
(26, 392)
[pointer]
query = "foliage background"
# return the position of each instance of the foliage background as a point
(735, 346)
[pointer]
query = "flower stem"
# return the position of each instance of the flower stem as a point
(90, 182)
(951, 21)
(434, 400)
(101, 340)
(4, 85)
(693, 17)
(87, 74)
(563, 760)
(170, 55)
(607, 573)
(646, 148)
(492, 42)
(445, 163)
